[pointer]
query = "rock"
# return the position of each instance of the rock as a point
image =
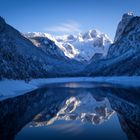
(122, 24)
(2, 23)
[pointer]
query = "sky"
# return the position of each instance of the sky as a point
(59, 17)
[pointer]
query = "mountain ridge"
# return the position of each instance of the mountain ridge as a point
(123, 55)
(81, 47)
(21, 59)
(38, 55)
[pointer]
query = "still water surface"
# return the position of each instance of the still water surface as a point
(72, 111)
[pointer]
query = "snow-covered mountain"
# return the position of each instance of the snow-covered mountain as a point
(85, 45)
(81, 47)
(21, 59)
(122, 24)
(124, 54)
(35, 55)
(49, 44)
(127, 36)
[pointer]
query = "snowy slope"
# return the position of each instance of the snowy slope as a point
(47, 44)
(122, 24)
(81, 47)
(50, 45)
(21, 59)
(124, 54)
(85, 45)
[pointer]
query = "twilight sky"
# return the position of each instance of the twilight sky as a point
(60, 17)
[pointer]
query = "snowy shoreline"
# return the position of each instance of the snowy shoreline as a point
(11, 88)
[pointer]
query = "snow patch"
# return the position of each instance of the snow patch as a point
(80, 47)
(11, 88)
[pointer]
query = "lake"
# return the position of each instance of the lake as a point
(75, 110)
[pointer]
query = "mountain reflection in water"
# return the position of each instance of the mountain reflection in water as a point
(75, 109)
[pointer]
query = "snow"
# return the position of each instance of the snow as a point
(122, 24)
(80, 47)
(86, 44)
(11, 88)
(39, 34)
(70, 54)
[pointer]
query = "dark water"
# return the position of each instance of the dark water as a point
(96, 111)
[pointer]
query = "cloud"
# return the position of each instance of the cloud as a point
(68, 27)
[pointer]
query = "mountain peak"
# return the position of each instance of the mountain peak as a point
(36, 34)
(81, 47)
(128, 15)
(2, 20)
(86, 44)
(122, 24)
(2, 23)
(94, 31)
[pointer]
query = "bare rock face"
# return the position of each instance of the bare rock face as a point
(122, 24)
(2, 23)
(124, 54)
